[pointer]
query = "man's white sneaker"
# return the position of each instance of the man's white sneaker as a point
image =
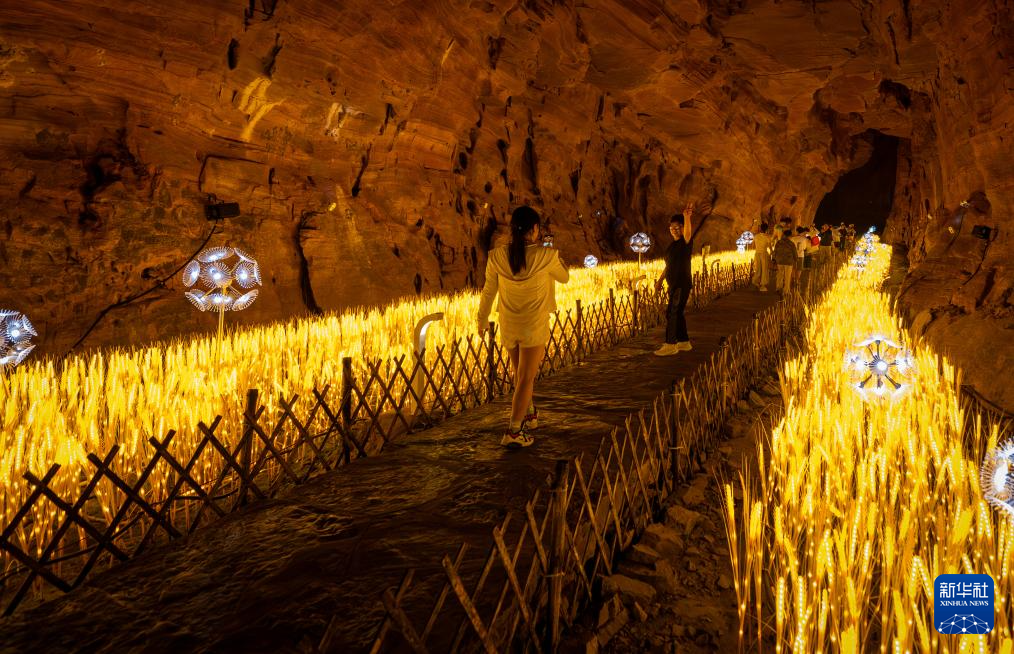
(667, 349)
(684, 346)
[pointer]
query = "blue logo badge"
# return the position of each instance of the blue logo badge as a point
(963, 604)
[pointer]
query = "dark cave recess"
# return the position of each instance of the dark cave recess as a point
(864, 196)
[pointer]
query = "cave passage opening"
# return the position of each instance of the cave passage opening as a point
(864, 196)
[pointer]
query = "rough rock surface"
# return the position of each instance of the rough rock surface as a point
(377, 148)
(684, 558)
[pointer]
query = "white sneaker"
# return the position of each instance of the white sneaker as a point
(684, 346)
(514, 440)
(667, 349)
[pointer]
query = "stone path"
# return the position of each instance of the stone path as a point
(269, 578)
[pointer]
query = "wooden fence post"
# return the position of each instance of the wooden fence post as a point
(756, 350)
(612, 317)
(245, 454)
(346, 399)
(558, 554)
(491, 362)
(579, 330)
(674, 426)
(637, 309)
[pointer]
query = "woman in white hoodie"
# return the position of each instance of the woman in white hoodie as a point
(523, 274)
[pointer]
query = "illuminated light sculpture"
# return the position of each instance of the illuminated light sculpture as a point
(591, 261)
(16, 333)
(640, 243)
(879, 367)
(547, 241)
(418, 380)
(996, 479)
(225, 287)
(859, 262)
(745, 239)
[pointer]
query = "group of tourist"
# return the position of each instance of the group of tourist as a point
(784, 253)
(523, 274)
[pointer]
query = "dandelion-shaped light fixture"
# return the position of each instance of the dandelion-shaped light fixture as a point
(640, 243)
(591, 261)
(222, 279)
(859, 261)
(879, 367)
(16, 334)
(996, 479)
(745, 239)
(547, 240)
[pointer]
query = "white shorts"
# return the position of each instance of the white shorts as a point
(534, 333)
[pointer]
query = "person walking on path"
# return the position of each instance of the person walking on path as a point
(802, 243)
(523, 273)
(762, 243)
(826, 243)
(784, 255)
(680, 280)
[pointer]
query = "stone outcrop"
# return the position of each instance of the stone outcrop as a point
(377, 149)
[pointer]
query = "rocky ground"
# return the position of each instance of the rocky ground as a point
(673, 590)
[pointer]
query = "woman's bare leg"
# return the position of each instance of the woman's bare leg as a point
(526, 366)
(512, 354)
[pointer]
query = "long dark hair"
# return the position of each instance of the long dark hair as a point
(523, 220)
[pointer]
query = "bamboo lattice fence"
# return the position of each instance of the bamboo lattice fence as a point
(53, 542)
(544, 566)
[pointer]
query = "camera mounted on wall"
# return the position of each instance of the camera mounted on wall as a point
(217, 209)
(980, 204)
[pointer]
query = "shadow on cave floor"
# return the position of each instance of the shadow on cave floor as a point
(270, 577)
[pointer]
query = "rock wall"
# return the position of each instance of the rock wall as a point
(377, 148)
(958, 172)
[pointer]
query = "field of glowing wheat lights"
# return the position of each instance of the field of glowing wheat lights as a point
(855, 507)
(59, 412)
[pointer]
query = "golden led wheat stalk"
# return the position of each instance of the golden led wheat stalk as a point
(861, 505)
(59, 412)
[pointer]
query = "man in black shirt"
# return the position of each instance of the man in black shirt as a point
(679, 279)
(826, 241)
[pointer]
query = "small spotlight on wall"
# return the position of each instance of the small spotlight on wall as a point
(216, 210)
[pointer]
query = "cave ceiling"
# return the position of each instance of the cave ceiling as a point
(376, 148)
